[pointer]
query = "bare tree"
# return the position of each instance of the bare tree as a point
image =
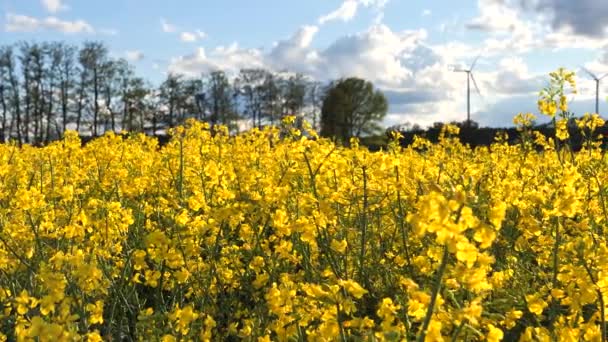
(136, 99)
(250, 83)
(170, 93)
(270, 92)
(67, 73)
(93, 57)
(294, 94)
(45, 88)
(81, 96)
(26, 66)
(190, 102)
(7, 59)
(4, 89)
(219, 102)
(38, 76)
(315, 99)
(53, 77)
(111, 88)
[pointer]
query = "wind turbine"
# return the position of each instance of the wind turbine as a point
(470, 78)
(597, 88)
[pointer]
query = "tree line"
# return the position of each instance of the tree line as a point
(472, 134)
(49, 87)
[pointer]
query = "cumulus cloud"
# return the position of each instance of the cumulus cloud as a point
(54, 6)
(190, 37)
(23, 23)
(413, 75)
(374, 3)
(412, 72)
(377, 54)
(184, 36)
(517, 27)
(201, 34)
(544, 23)
(600, 64)
(134, 55)
(295, 53)
(187, 37)
(228, 58)
(583, 17)
(348, 10)
(514, 77)
(166, 26)
(345, 12)
(495, 15)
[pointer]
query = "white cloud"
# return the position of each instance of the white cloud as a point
(426, 12)
(374, 3)
(345, 12)
(495, 15)
(398, 62)
(134, 55)
(566, 38)
(184, 36)
(54, 6)
(599, 65)
(413, 73)
(201, 34)
(583, 17)
(295, 53)
(377, 54)
(513, 77)
(166, 27)
(229, 59)
(538, 24)
(303, 36)
(513, 28)
(22, 23)
(187, 37)
(191, 37)
(348, 10)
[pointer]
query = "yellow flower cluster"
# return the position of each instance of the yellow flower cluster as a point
(554, 97)
(271, 235)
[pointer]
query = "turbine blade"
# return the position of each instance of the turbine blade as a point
(589, 73)
(474, 62)
(603, 76)
(475, 84)
(455, 68)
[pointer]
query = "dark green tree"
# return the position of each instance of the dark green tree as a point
(352, 107)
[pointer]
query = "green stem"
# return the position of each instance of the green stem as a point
(600, 298)
(429, 311)
(180, 184)
(555, 253)
(363, 227)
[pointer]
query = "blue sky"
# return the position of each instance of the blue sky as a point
(404, 46)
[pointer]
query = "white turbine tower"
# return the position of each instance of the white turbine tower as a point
(470, 78)
(597, 87)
